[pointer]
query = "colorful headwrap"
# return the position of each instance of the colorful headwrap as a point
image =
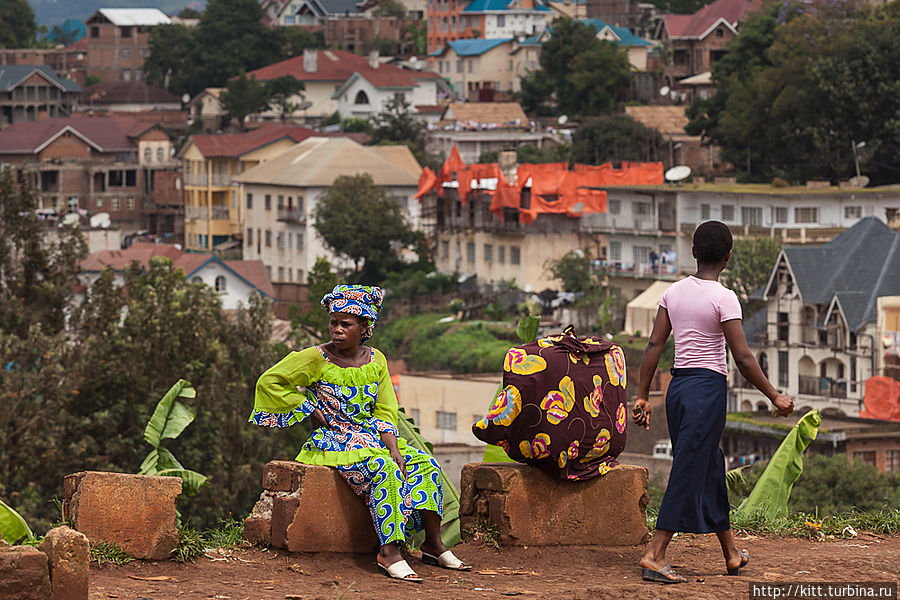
(360, 300)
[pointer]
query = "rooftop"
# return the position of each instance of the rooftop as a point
(623, 35)
(494, 113)
(338, 65)
(12, 75)
(133, 16)
(104, 134)
(232, 145)
(668, 120)
(701, 23)
(127, 92)
(472, 47)
(480, 6)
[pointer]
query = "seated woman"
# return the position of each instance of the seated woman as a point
(353, 406)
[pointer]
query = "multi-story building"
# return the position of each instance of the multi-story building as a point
(95, 165)
(280, 196)
(34, 92)
(815, 339)
(210, 162)
(68, 63)
(118, 42)
(133, 99)
(449, 20)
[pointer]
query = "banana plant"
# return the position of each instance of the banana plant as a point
(170, 418)
(13, 527)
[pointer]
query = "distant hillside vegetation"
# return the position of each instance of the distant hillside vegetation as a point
(54, 12)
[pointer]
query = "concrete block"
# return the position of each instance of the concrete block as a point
(24, 574)
(530, 508)
(136, 511)
(68, 556)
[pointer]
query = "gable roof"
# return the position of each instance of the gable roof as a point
(668, 120)
(104, 134)
(12, 75)
(471, 47)
(232, 145)
(701, 23)
(480, 6)
(623, 35)
(500, 113)
(325, 8)
(131, 92)
(338, 65)
(132, 16)
(852, 270)
(318, 161)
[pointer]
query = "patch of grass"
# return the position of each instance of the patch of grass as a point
(230, 534)
(193, 543)
(109, 552)
(805, 525)
(484, 533)
(190, 545)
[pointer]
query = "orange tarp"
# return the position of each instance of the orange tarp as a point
(426, 182)
(882, 399)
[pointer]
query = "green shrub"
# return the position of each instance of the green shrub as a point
(832, 485)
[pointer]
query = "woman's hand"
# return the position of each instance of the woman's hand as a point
(641, 413)
(390, 442)
(784, 405)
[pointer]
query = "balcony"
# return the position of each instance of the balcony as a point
(291, 215)
(813, 385)
(637, 270)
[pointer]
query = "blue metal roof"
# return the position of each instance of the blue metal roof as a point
(475, 47)
(626, 37)
(480, 6)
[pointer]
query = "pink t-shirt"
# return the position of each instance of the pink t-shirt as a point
(697, 308)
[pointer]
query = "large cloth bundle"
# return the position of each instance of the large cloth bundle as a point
(562, 406)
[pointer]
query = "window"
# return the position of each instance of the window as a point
(268, 238)
(892, 460)
(147, 154)
(783, 327)
(73, 204)
(510, 64)
(279, 240)
(488, 253)
(615, 250)
(126, 53)
(470, 251)
(752, 216)
(615, 207)
(160, 154)
(249, 201)
(280, 201)
(515, 255)
(866, 456)
(98, 202)
(728, 212)
(643, 209)
(852, 212)
(268, 202)
(459, 66)
(196, 280)
(361, 98)
(126, 75)
(781, 214)
(414, 413)
(126, 32)
(280, 273)
(446, 420)
(114, 203)
(299, 241)
(501, 20)
(641, 255)
(471, 65)
(501, 254)
(129, 203)
(807, 214)
(445, 249)
(783, 374)
(852, 373)
(95, 32)
(249, 239)
(220, 284)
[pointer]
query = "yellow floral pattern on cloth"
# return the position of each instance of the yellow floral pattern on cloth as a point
(549, 341)
(601, 445)
(615, 366)
(559, 402)
(568, 454)
(521, 363)
(538, 448)
(593, 401)
(621, 418)
(505, 409)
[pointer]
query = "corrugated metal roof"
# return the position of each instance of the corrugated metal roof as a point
(135, 16)
(475, 47)
(626, 37)
(479, 6)
(12, 75)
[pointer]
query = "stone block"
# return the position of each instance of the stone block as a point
(317, 513)
(136, 511)
(530, 508)
(24, 574)
(68, 557)
(258, 531)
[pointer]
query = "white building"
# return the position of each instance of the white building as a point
(507, 18)
(281, 194)
(367, 93)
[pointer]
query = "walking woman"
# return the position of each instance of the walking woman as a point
(354, 410)
(704, 316)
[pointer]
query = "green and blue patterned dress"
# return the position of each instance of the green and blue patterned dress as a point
(358, 403)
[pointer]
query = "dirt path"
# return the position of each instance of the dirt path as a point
(557, 573)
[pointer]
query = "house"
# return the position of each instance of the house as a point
(233, 280)
(569, 9)
(34, 92)
(68, 62)
(630, 14)
(697, 41)
(310, 13)
(680, 148)
(473, 64)
(815, 338)
(118, 41)
(390, 35)
(206, 107)
(210, 162)
(491, 19)
(93, 165)
(637, 47)
(326, 72)
(135, 99)
(280, 196)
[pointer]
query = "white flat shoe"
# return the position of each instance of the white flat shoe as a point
(446, 560)
(400, 570)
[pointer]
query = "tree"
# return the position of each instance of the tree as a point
(751, 264)
(314, 320)
(294, 40)
(390, 8)
(189, 13)
(172, 50)
(281, 92)
(364, 224)
(573, 270)
(615, 138)
(17, 24)
(397, 125)
(242, 97)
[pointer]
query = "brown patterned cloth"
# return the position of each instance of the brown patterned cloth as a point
(562, 406)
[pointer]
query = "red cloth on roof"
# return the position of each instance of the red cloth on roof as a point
(882, 399)
(426, 183)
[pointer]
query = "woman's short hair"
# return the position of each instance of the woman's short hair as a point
(712, 242)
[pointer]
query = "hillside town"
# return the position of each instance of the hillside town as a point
(199, 178)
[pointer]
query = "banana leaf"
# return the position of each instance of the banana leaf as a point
(170, 417)
(191, 480)
(13, 527)
(450, 532)
(771, 493)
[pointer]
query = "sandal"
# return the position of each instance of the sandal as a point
(665, 575)
(400, 570)
(446, 560)
(745, 558)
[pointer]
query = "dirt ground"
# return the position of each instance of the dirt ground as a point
(557, 573)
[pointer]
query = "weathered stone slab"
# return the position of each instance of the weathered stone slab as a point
(68, 555)
(24, 574)
(136, 511)
(530, 508)
(305, 508)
